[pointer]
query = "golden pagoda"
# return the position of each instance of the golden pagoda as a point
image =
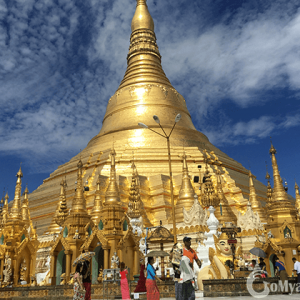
(18, 238)
(283, 223)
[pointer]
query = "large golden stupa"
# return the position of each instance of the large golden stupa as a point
(144, 91)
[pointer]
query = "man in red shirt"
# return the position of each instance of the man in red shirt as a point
(189, 252)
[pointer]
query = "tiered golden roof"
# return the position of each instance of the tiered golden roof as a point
(62, 209)
(186, 193)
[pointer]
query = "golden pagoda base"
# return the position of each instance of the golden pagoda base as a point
(65, 292)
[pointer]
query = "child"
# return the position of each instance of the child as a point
(79, 291)
(124, 282)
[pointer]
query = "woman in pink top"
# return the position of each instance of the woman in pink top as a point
(124, 283)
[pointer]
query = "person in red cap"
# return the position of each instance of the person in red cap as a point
(190, 253)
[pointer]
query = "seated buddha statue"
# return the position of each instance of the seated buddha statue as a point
(220, 259)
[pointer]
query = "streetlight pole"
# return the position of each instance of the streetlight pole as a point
(167, 136)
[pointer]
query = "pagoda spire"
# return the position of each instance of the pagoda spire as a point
(269, 189)
(78, 204)
(5, 212)
(279, 193)
(95, 214)
(112, 193)
(25, 208)
(60, 214)
(223, 211)
(62, 209)
(134, 205)
(15, 212)
(297, 197)
(255, 203)
(186, 193)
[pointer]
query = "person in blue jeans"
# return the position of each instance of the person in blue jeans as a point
(280, 268)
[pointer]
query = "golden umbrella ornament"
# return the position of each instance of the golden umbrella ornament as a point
(83, 257)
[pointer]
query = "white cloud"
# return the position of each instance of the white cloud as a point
(60, 61)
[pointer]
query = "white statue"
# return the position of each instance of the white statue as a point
(114, 261)
(143, 246)
(43, 278)
(137, 225)
(249, 220)
(196, 215)
(7, 270)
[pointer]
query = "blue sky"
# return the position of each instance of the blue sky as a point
(235, 62)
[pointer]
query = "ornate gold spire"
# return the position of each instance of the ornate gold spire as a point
(134, 205)
(255, 203)
(5, 209)
(25, 208)
(223, 211)
(281, 208)
(297, 204)
(145, 89)
(78, 204)
(15, 212)
(186, 193)
(112, 193)
(62, 210)
(279, 193)
(95, 214)
(269, 189)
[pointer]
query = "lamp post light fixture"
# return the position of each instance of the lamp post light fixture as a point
(167, 136)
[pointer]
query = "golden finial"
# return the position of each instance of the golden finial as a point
(142, 18)
(78, 203)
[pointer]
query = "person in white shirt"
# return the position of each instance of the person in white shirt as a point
(187, 279)
(297, 268)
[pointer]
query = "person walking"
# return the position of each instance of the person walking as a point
(124, 283)
(297, 269)
(263, 267)
(86, 279)
(151, 286)
(187, 279)
(175, 257)
(79, 292)
(190, 253)
(280, 268)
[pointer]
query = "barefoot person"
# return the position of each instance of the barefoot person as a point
(124, 282)
(151, 286)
